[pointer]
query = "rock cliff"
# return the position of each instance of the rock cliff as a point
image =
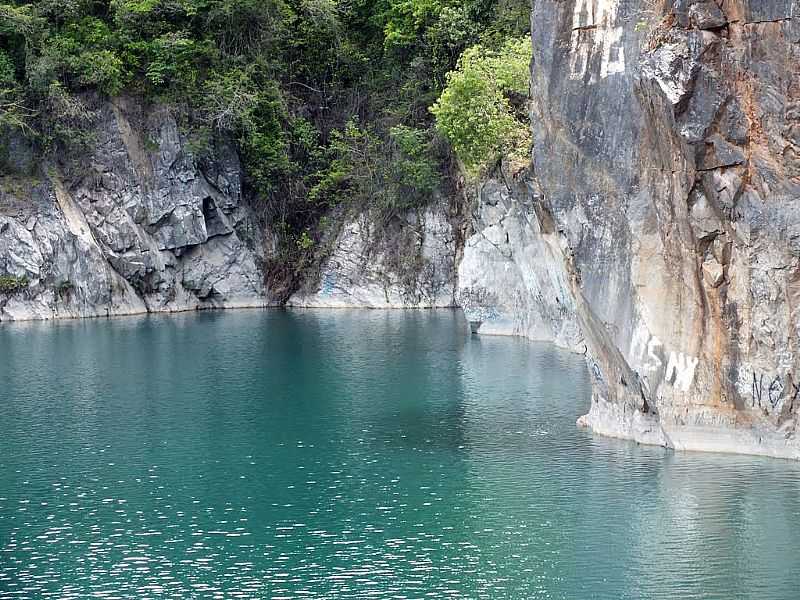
(511, 280)
(138, 225)
(141, 224)
(657, 230)
(667, 194)
(409, 263)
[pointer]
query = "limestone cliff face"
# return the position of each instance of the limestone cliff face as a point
(139, 226)
(511, 279)
(667, 195)
(409, 263)
(143, 225)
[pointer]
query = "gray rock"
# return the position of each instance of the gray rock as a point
(715, 152)
(761, 11)
(668, 166)
(411, 264)
(141, 226)
(707, 15)
(510, 281)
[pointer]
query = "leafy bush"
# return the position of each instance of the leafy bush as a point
(476, 111)
(255, 67)
(11, 284)
(373, 172)
(7, 71)
(416, 168)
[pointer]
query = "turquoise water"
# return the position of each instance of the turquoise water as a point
(354, 455)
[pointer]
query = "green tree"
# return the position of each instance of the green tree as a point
(326, 101)
(373, 172)
(481, 111)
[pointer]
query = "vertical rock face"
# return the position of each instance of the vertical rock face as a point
(410, 263)
(511, 279)
(667, 166)
(141, 226)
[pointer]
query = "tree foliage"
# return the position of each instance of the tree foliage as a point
(390, 174)
(328, 101)
(479, 110)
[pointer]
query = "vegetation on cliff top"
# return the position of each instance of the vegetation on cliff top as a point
(482, 111)
(329, 101)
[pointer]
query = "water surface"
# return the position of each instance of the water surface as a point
(338, 454)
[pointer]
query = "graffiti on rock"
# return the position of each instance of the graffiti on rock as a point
(768, 391)
(595, 31)
(680, 368)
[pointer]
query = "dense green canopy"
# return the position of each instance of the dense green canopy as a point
(328, 100)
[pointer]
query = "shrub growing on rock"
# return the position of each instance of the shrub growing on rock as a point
(11, 284)
(481, 111)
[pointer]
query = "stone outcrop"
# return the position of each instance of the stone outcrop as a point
(667, 174)
(139, 225)
(409, 263)
(511, 280)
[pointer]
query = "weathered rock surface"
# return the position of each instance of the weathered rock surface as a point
(142, 226)
(668, 158)
(511, 280)
(409, 264)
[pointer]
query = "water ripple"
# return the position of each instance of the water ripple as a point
(354, 455)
